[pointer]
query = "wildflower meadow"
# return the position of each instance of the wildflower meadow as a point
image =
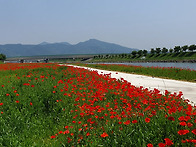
(44, 104)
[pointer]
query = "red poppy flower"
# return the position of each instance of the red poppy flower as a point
(17, 101)
(88, 134)
(66, 132)
(147, 119)
(181, 118)
(183, 132)
(189, 124)
(168, 141)
(182, 123)
(194, 131)
(149, 145)
(171, 118)
(104, 135)
(134, 121)
(127, 122)
(161, 145)
(1, 104)
(183, 141)
(53, 137)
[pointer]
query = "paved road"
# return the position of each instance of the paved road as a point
(188, 89)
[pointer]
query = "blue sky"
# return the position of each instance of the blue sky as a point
(141, 24)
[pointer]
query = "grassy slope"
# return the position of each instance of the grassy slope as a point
(168, 73)
(162, 57)
(175, 56)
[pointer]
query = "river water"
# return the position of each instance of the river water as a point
(185, 65)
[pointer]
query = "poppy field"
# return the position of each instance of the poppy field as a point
(44, 104)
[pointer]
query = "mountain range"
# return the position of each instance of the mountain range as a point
(92, 46)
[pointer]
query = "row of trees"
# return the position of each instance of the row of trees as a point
(111, 56)
(164, 50)
(156, 51)
(2, 57)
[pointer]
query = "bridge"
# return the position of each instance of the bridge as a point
(33, 59)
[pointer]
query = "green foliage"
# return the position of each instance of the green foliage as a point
(192, 48)
(158, 51)
(22, 124)
(145, 52)
(140, 52)
(134, 53)
(152, 51)
(185, 48)
(2, 57)
(171, 50)
(177, 49)
(164, 50)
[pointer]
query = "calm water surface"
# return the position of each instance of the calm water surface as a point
(191, 66)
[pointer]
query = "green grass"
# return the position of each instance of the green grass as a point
(169, 73)
(174, 56)
(182, 56)
(52, 105)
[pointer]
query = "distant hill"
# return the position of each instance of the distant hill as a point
(91, 46)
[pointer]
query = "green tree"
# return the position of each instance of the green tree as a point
(152, 51)
(192, 48)
(185, 48)
(171, 50)
(2, 57)
(134, 53)
(145, 52)
(158, 51)
(107, 56)
(164, 50)
(177, 49)
(140, 52)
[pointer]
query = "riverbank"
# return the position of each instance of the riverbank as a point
(144, 61)
(187, 88)
(168, 57)
(161, 72)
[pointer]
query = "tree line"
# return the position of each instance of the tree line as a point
(153, 51)
(176, 49)
(158, 51)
